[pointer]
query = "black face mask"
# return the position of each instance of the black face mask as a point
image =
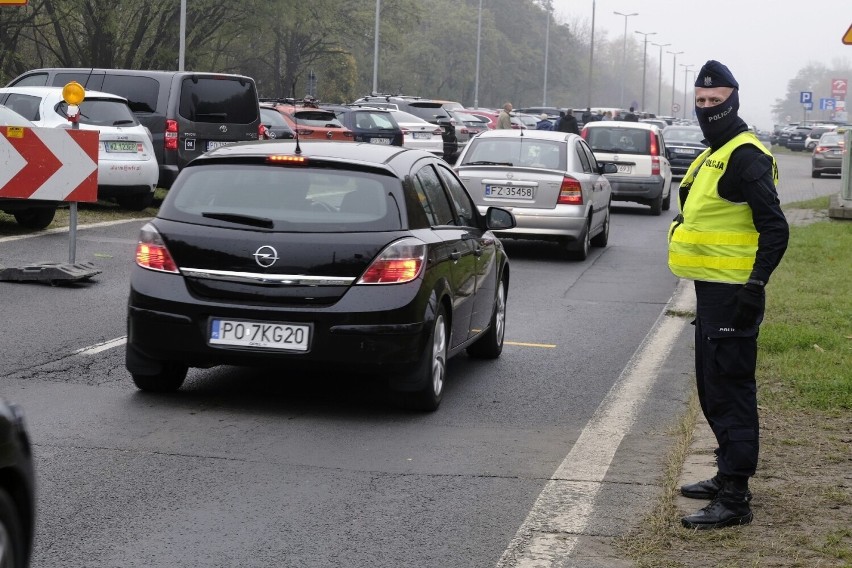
(720, 122)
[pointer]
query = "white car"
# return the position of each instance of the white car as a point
(418, 133)
(639, 152)
(127, 166)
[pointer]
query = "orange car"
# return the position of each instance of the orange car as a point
(313, 123)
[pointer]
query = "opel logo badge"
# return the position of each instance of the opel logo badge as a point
(223, 128)
(265, 256)
(328, 134)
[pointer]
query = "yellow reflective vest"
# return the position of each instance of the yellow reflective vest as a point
(716, 241)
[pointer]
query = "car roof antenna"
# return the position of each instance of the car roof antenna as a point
(296, 119)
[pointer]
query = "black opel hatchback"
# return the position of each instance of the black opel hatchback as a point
(363, 256)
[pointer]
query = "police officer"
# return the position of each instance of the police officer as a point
(729, 237)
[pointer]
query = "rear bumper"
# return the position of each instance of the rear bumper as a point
(166, 323)
(636, 188)
(565, 222)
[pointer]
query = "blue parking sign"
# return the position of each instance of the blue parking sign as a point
(806, 97)
(826, 104)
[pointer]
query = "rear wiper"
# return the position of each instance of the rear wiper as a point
(237, 218)
(117, 122)
(221, 115)
(486, 163)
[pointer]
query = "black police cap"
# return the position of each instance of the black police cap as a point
(714, 74)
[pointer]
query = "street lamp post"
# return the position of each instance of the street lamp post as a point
(624, 52)
(660, 79)
(376, 49)
(674, 70)
(644, 61)
(548, 7)
(685, 73)
(478, 40)
(591, 57)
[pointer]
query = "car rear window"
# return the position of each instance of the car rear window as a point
(215, 99)
(321, 118)
(528, 151)
(619, 140)
(273, 117)
(830, 139)
(101, 112)
(371, 120)
(430, 112)
(683, 134)
(320, 200)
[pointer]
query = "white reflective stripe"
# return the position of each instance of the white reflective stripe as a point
(103, 346)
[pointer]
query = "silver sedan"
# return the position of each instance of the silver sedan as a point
(551, 181)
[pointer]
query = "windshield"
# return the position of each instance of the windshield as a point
(529, 152)
(619, 140)
(291, 199)
(102, 112)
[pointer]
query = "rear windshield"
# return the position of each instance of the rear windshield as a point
(619, 140)
(371, 120)
(533, 153)
(218, 99)
(321, 118)
(831, 139)
(683, 134)
(272, 117)
(101, 112)
(315, 200)
(430, 112)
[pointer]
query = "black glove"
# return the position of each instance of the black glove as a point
(750, 301)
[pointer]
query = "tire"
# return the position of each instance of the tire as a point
(432, 370)
(490, 345)
(36, 217)
(667, 201)
(169, 379)
(13, 546)
(135, 202)
(816, 174)
(601, 239)
(579, 250)
(657, 205)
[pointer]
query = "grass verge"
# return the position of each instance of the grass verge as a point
(803, 487)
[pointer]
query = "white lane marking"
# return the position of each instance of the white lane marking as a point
(140, 220)
(561, 512)
(102, 346)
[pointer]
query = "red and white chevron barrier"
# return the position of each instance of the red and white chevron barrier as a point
(55, 164)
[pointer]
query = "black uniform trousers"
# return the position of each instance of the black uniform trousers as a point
(725, 363)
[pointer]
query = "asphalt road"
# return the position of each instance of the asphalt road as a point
(271, 468)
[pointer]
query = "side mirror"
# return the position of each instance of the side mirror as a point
(607, 168)
(497, 219)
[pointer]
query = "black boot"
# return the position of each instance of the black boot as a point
(730, 507)
(707, 489)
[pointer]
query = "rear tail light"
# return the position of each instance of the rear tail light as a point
(405, 131)
(262, 133)
(438, 132)
(400, 262)
(151, 251)
(304, 131)
(655, 149)
(585, 133)
(466, 131)
(820, 150)
(348, 134)
(171, 135)
(570, 192)
(655, 165)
